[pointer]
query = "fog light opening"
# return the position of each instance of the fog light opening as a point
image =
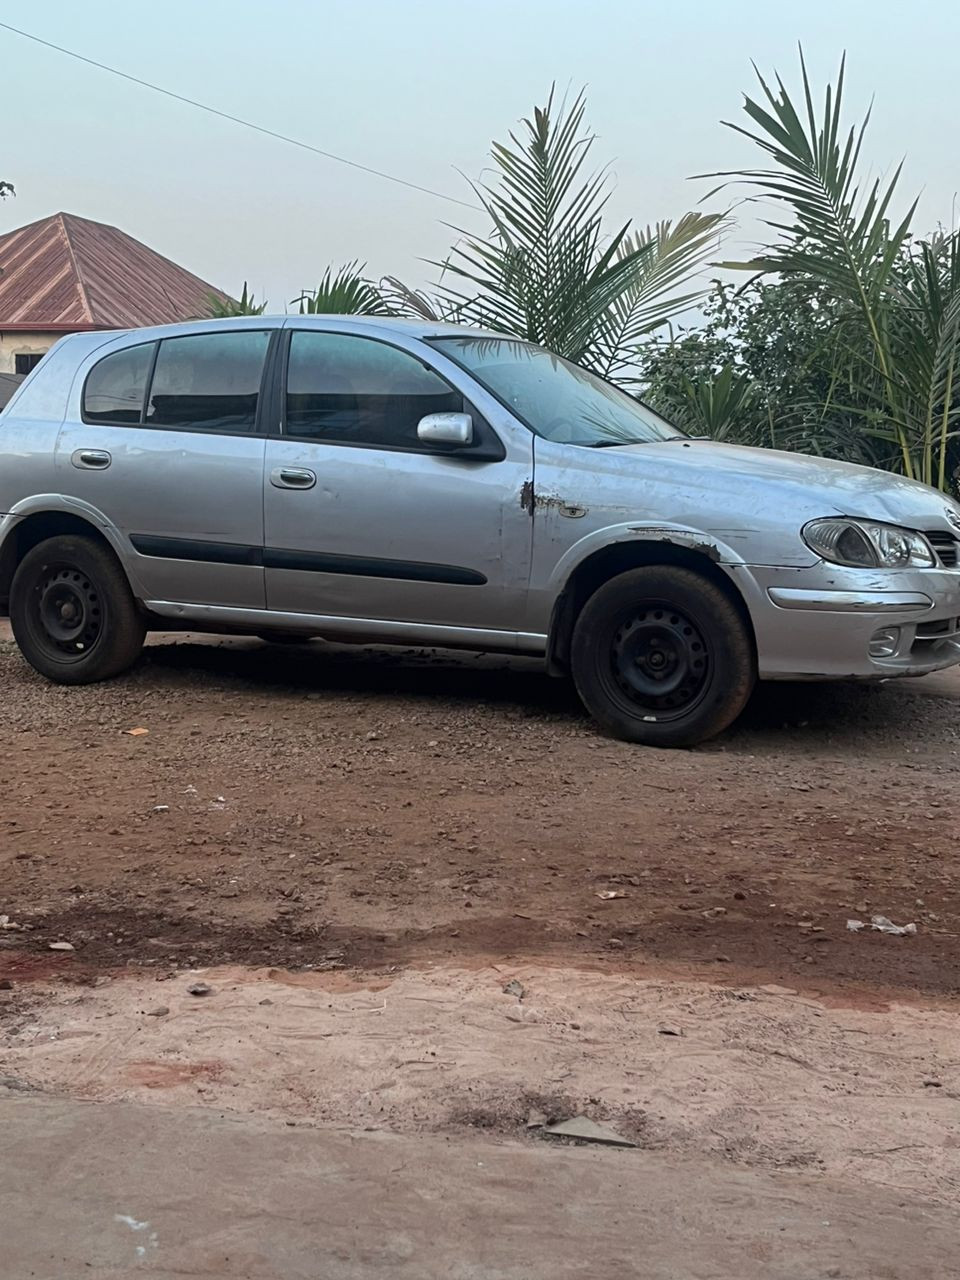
(885, 642)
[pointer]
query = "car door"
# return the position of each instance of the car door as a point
(167, 447)
(363, 520)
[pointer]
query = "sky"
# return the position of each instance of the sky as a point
(420, 88)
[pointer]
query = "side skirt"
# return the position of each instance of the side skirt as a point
(363, 630)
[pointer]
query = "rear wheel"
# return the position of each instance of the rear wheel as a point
(661, 656)
(73, 613)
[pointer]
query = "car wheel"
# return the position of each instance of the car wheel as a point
(662, 656)
(72, 611)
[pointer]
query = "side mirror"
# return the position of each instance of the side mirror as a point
(446, 428)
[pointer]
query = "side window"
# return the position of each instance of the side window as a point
(208, 381)
(355, 390)
(115, 387)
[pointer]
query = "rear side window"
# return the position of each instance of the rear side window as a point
(115, 388)
(208, 382)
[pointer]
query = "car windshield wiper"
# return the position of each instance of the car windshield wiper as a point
(613, 444)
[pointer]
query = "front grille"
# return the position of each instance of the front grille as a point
(945, 628)
(946, 546)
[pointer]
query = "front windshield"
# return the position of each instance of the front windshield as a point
(554, 398)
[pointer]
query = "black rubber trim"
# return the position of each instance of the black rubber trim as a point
(370, 567)
(189, 549)
(305, 561)
(268, 401)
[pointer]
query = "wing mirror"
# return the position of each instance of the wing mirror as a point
(454, 429)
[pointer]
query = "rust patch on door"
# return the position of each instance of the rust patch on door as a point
(531, 501)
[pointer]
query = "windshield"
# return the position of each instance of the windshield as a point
(554, 398)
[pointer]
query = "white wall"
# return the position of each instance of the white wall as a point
(13, 344)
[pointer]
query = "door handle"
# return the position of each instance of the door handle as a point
(292, 478)
(91, 459)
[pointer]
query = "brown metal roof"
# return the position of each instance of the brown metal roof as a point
(68, 273)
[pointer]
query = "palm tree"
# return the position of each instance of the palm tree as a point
(345, 291)
(899, 326)
(548, 271)
(717, 406)
(220, 308)
(925, 343)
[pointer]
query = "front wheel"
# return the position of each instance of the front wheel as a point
(661, 656)
(72, 612)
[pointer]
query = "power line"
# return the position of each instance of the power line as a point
(225, 115)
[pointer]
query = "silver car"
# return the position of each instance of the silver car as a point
(408, 483)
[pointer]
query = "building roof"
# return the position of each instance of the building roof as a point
(8, 385)
(66, 273)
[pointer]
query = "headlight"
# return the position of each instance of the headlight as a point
(864, 544)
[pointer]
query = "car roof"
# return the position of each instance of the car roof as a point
(411, 328)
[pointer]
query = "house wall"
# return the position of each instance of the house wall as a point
(12, 344)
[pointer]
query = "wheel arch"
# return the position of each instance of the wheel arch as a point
(33, 524)
(634, 550)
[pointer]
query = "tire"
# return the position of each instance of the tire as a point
(73, 613)
(661, 655)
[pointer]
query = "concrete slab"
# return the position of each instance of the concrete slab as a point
(118, 1190)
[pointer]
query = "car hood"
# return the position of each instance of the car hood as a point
(793, 483)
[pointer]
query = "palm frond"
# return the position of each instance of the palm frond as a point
(548, 271)
(345, 291)
(673, 253)
(415, 303)
(221, 308)
(717, 406)
(925, 337)
(837, 231)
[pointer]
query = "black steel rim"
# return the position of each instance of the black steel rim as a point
(68, 612)
(660, 661)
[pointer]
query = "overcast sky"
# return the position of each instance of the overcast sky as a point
(420, 88)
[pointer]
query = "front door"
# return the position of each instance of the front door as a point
(363, 520)
(169, 452)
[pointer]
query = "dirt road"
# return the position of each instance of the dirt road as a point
(304, 806)
(169, 1195)
(429, 898)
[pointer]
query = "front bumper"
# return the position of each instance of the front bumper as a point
(818, 623)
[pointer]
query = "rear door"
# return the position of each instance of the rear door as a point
(169, 450)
